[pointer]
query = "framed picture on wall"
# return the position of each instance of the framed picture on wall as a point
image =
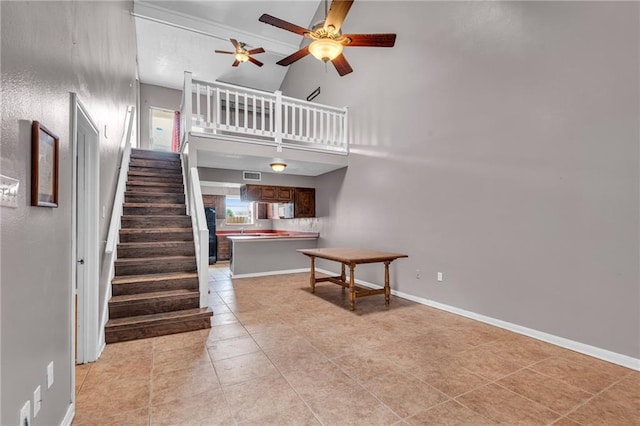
(44, 166)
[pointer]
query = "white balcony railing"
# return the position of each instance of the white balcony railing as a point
(261, 117)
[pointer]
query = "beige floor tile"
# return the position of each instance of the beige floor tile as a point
(180, 359)
(243, 368)
(208, 408)
(617, 405)
(182, 384)
(449, 377)
(449, 413)
(522, 350)
(298, 354)
(125, 394)
(504, 406)
(227, 331)
(178, 341)
(564, 421)
(353, 407)
(403, 393)
(139, 417)
(221, 319)
(297, 414)
(484, 363)
(579, 374)
(260, 397)
(559, 396)
(318, 380)
(366, 365)
(229, 348)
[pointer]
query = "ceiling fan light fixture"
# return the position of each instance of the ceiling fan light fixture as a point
(278, 166)
(242, 56)
(325, 49)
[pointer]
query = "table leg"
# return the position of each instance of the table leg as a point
(387, 287)
(343, 277)
(312, 280)
(352, 292)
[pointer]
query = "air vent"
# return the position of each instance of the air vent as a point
(254, 176)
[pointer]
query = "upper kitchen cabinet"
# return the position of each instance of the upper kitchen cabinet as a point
(304, 204)
(266, 193)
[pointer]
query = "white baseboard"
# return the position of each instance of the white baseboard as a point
(603, 354)
(265, 274)
(68, 417)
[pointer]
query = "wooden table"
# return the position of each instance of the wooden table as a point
(351, 257)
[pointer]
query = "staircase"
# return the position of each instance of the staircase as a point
(155, 288)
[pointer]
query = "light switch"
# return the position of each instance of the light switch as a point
(9, 191)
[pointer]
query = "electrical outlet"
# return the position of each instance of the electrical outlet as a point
(440, 276)
(417, 274)
(49, 374)
(25, 414)
(37, 401)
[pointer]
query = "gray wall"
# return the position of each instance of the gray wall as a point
(158, 97)
(50, 49)
(497, 142)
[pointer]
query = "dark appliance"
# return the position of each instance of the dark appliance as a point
(210, 213)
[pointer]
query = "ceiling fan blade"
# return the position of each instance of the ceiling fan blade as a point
(235, 43)
(255, 61)
(277, 22)
(372, 40)
(294, 57)
(224, 51)
(342, 66)
(254, 51)
(337, 12)
(235, 63)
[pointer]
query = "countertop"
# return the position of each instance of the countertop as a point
(266, 235)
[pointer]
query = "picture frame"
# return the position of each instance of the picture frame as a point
(45, 156)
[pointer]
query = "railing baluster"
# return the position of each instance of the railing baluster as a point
(246, 118)
(218, 101)
(198, 102)
(237, 116)
(262, 123)
(255, 113)
(208, 124)
(308, 121)
(227, 118)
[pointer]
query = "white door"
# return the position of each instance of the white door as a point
(86, 237)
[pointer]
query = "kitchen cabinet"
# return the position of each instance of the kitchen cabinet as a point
(304, 204)
(303, 199)
(266, 193)
(217, 201)
(224, 249)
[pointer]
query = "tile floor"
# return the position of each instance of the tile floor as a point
(278, 355)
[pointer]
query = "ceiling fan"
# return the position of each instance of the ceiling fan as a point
(328, 40)
(242, 54)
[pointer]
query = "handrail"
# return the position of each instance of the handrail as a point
(221, 109)
(116, 212)
(200, 233)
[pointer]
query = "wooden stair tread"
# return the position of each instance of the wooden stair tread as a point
(156, 295)
(129, 279)
(140, 320)
(147, 205)
(154, 194)
(153, 259)
(147, 183)
(155, 244)
(153, 230)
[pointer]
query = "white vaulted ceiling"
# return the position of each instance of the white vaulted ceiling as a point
(178, 36)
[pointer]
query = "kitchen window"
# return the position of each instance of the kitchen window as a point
(239, 212)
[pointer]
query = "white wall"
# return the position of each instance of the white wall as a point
(497, 142)
(48, 50)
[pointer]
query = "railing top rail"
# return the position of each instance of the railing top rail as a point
(287, 99)
(233, 87)
(312, 105)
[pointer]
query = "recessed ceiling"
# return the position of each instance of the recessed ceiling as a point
(178, 36)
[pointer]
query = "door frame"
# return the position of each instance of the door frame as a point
(85, 334)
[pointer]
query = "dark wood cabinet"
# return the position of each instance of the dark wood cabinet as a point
(266, 193)
(303, 199)
(217, 201)
(304, 204)
(224, 249)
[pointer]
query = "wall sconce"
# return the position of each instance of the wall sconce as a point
(278, 166)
